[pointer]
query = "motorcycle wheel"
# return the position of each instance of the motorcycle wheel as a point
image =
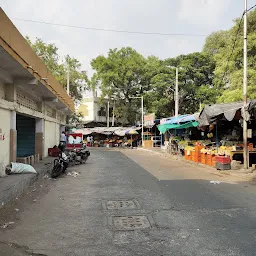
(84, 159)
(56, 170)
(65, 166)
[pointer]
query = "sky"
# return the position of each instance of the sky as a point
(194, 17)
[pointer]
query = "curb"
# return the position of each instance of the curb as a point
(245, 176)
(16, 184)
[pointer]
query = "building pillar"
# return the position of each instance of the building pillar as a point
(10, 92)
(39, 138)
(13, 138)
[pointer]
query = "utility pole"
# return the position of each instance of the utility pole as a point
(113, 116)
(246, 153)
(142, 121)
(108, 116)
(177, 93)
(67, 79)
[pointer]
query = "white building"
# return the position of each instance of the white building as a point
(93, 110)
(33, 105)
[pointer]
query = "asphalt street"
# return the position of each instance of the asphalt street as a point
(132, 203)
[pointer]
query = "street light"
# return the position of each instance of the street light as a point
(142, 117)
(177, 91)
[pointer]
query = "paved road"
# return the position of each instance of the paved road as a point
(78, 216)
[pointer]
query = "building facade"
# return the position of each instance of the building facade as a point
(33, 105)
(94, 110)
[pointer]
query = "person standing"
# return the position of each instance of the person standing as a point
(88, 141)
(63, 137)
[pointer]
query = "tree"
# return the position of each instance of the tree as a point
(195, 84)
(48, 53)
(227, 47)
(121, 76)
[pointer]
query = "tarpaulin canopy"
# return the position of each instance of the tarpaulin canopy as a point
(226, 111)
(165, 127)
(180, 119)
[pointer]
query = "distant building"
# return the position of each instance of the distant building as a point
(94, 111)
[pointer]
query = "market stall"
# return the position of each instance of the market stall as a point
(178, 132)
(222, 145)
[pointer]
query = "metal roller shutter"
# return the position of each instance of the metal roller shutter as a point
(25, 136)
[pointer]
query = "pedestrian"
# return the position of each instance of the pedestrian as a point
(88, 141)
(63, 137)
(91, 141)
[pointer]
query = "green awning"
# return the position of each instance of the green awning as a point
(165, 127)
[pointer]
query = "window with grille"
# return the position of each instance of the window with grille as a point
(26, 102)
(50, 112)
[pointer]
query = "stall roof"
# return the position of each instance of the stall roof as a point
(165, 127)
(182, 119)
(120, 131)
(219, 111)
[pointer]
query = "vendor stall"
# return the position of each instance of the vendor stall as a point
(222, 133)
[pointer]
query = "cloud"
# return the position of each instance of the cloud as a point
(204, 13)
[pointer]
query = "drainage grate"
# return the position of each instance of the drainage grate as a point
(131, 222)
(121, 204)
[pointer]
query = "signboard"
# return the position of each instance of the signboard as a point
(149, 119)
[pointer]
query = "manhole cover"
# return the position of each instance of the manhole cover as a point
(131, 222)
(121, 204)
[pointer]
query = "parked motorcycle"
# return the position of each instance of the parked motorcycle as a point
(82, 154)
(60, 165)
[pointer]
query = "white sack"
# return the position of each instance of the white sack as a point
(22, 168)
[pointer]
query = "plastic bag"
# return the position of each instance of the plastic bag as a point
(21, 168)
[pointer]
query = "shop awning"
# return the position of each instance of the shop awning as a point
(165, 127)
(226, 111)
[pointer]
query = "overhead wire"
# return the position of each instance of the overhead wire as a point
(110, 30)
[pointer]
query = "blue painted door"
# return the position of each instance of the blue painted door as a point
(25, 136)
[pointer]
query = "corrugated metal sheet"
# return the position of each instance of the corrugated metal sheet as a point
(25, 136)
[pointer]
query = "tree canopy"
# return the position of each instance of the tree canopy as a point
(48, 53)
(213, 75)
(226, 48)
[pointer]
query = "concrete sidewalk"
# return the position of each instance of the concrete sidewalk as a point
(11, 186)
(248, 175)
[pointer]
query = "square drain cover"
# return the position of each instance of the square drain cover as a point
(131, 222)
(121, 204)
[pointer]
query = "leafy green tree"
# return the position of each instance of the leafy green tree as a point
(229, 60)
(121, 76)
(48, 53)
(195, 84)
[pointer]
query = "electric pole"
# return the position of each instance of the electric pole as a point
(246, 153)
(113, 115)
(177, 93)
(67, 79)
(142, 121)
(108, 116)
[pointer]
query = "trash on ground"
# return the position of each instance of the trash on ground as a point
(16, 168)
(2, 203)
(16, 209)
(46, 176)
(6, 225)
(73, 174)
(215, 182)
(34, 200)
